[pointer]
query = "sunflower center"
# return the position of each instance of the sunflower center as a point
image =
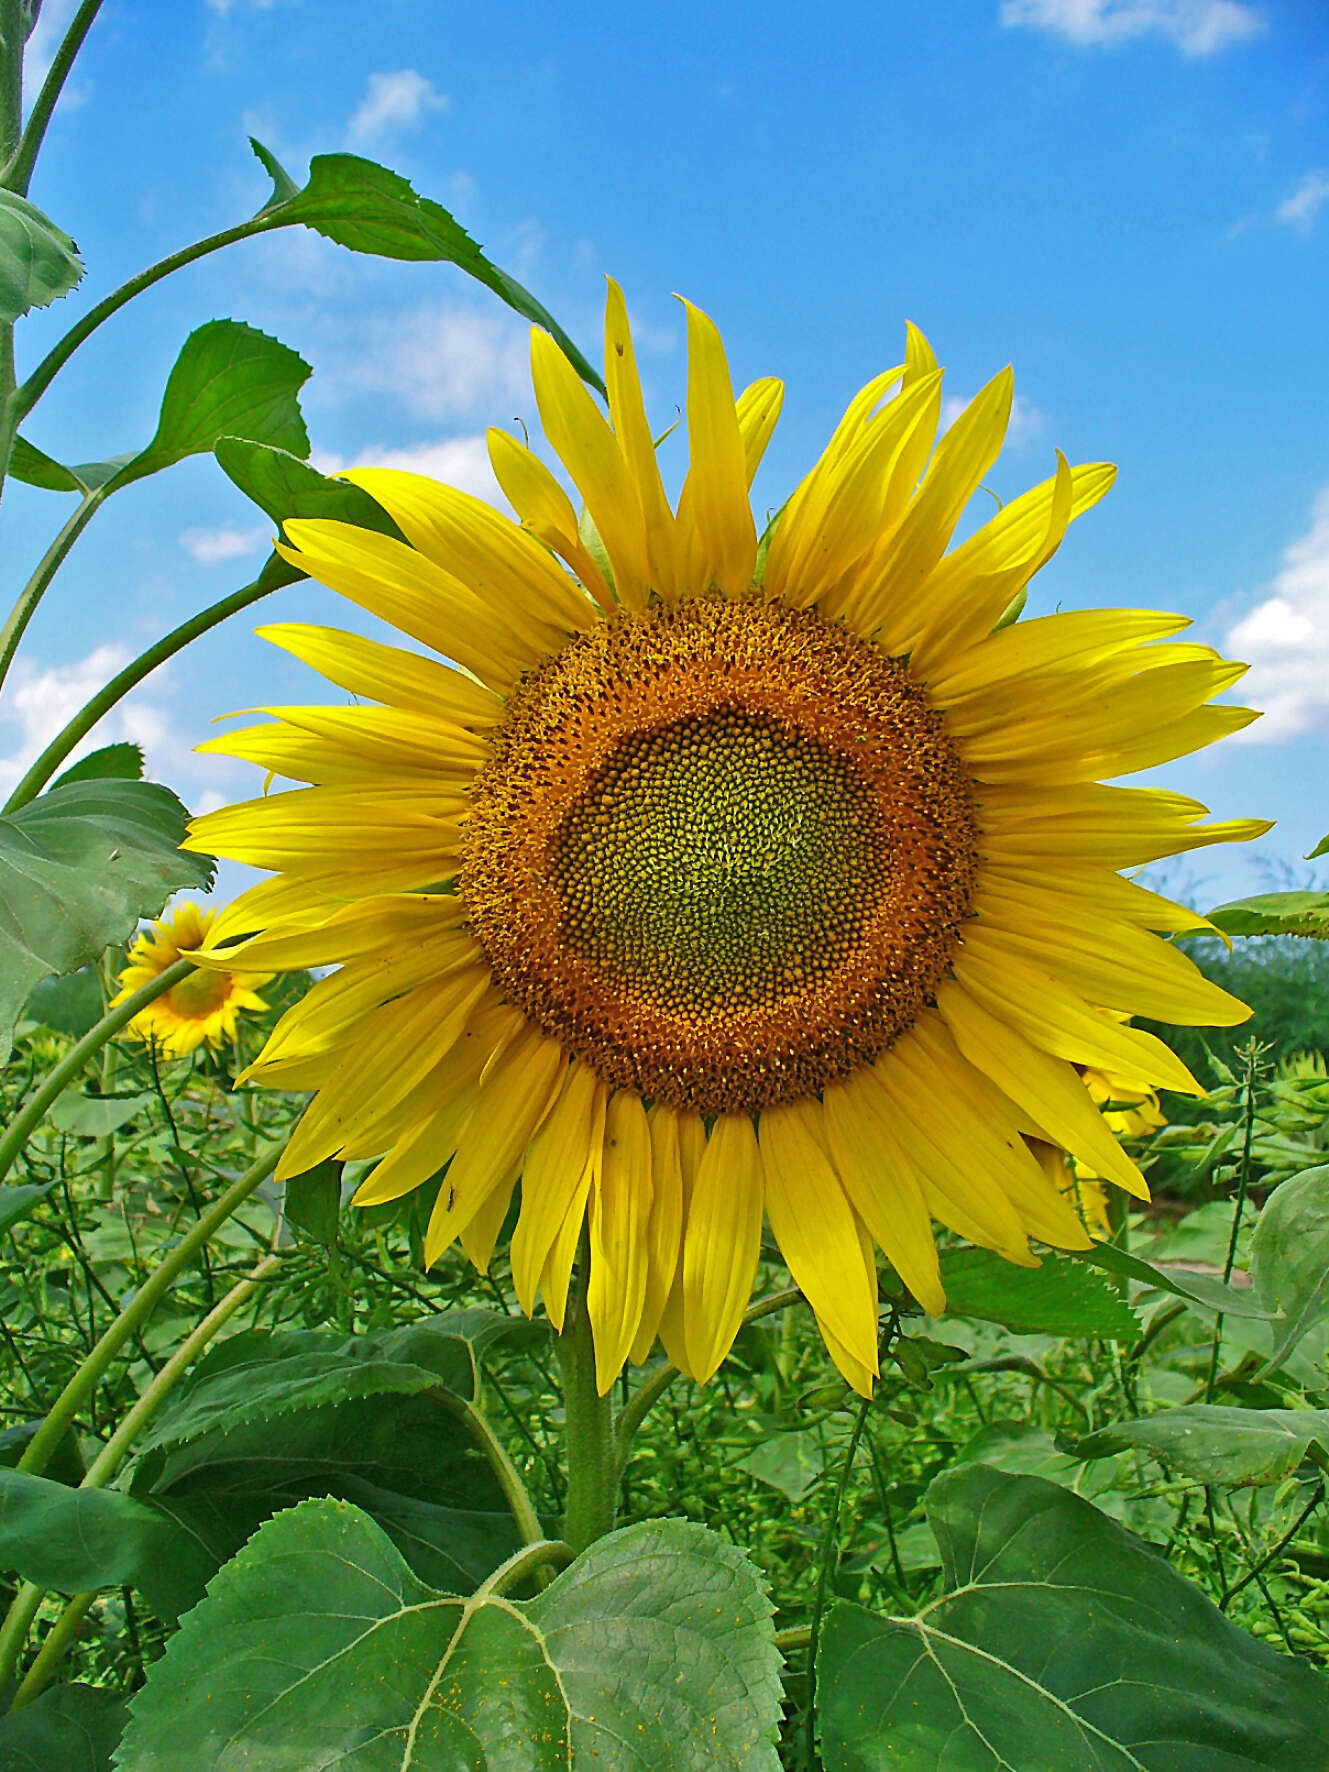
(722, 852)
(199, 993)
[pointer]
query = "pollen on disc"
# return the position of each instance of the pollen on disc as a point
(722, 852)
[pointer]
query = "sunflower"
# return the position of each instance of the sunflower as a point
(204, 1007)
(698, 879)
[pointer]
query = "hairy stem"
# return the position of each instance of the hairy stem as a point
(529, 1560)
(18, 173)
(120, 685)
(591, 1452)
(30, 1115)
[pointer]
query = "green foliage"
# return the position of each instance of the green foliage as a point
(1290, 1259)
(78, 868)
(1198, 1289)
(1062, 1297)
(74, 1539)
(1215, 1444)
(69, 1729)
(1061, 1641)
(1275, 913)
(38, 262)
(113, 762)
(654, 1630)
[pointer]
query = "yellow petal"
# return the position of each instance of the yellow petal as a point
(545, 509)
(758, 410)
(388, 673)
(563, 1156)
(718, 474)
(722, 1242)
(620, 1208)
(664, 1234)
(627, 413)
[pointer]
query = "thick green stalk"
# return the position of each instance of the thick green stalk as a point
(588, 1433)
(25, 606)
(139, 1308)
(11, 123)
(100, 1472)
(120, 685)
(18, 172)
(33, 1111)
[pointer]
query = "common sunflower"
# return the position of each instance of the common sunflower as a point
(204, 1007)
(716, 879)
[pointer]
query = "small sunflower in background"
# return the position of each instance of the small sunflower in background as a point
(1131, 1113)
(693, 883)
(205, 1006)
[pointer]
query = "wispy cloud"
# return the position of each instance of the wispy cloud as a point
(209, 547)
(1285, 639)
(394, 102)
(458, 461)
(1028, 422)
(444, 363)
(1195, 27)
(1299, 209)
(41, 700)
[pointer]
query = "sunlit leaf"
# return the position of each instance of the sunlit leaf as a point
(113, 762)
(1062, 1297)
(78, 868)
(654, 1649)
(1062, 1641)
(1198, 1289)
(1217, 1444)
(1276, 913)
(1290, 1258)
(38, 262)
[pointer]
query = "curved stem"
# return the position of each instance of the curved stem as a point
(588, 1424)
(141, 1306)
(119, 686)
(526, 1561)
(509, 1477)
(60, 353)
(18, 173)
(32, 593)
(100, 1472)
(57, 1080)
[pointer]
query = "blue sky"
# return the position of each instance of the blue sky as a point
(1128, 199)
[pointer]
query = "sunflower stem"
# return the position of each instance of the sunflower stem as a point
(589, 1441)
(34, 1108)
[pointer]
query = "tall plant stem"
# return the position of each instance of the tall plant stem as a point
(23, 156)
(11, 123)
(33, 1111)
(1243, 1181)
(830, 1544)
(25, 605)
(100, 1472)
(139, 1308)
(509, 1478)
(591, 1453)
(99, 705)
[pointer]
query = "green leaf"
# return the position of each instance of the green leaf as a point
(313, 1201)
(78, 868)
(789, 1462)
(19, 1199)
(283, 486)
(1215, 1444)
(69, 1005)
(654, 1649)
(363, 206)
(113, 762)
(1198, 1289)
(68, 1729)
(34, 468)
(1290, 1258)
(1321, 848)
(1062, 1641)
(95, 1116)
(283, 185)
(229, 380)
(1276, 913)
(70, 1540)
(1062, 1297)
(37, 261)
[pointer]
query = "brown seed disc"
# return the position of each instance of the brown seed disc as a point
(722, 852)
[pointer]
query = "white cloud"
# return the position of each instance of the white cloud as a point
(40, 701)
(443, 363)
(1196, 27)
(1027, 424)
(1285, 639)
(394, 102)
(458, 461)
(1300, 209)
(209, 547)
(46, 37)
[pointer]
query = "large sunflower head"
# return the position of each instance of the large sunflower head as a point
(690, 883)
(204, 1007)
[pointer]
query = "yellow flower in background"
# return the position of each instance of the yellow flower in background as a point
(204, 1007)
(1084, 1192)
(709, 884)
(1130, 1112)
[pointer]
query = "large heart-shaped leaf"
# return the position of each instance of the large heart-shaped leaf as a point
(654, 1649)
(68, 1729)
(1290, 1258)
(1062, 1297)
(367, 208)
(1062, 1641)
(71, 1540)
(78, 868)
(38, 262)
(1217, 1444)
(1198, 1289)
